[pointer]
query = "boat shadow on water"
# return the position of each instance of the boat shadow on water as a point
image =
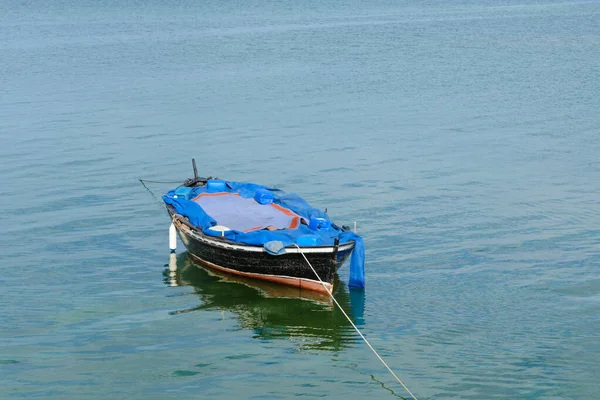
(272, 311)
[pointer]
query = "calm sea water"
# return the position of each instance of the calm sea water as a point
(463, 136)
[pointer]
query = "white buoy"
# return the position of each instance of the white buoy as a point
(354, 226)
(172, 238)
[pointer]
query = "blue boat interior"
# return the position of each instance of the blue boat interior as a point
(252, 214)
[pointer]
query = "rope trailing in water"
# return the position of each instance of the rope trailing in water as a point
(158, 202)
(149, 181)
(354, 326)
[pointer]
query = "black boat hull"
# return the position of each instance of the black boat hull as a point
(254, 262)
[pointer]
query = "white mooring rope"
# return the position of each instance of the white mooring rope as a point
(354, 326)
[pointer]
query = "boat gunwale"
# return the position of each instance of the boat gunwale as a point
(225, 243)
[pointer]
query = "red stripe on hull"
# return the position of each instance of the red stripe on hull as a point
(300, 283)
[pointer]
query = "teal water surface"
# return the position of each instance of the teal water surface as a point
(463, 136)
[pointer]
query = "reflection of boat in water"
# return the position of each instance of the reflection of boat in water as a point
(272, 311)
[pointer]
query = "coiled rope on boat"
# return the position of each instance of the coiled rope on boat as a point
(354, 326)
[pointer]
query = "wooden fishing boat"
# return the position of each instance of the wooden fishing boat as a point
(258, 232)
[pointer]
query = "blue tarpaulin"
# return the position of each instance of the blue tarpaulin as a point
(257, 215)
